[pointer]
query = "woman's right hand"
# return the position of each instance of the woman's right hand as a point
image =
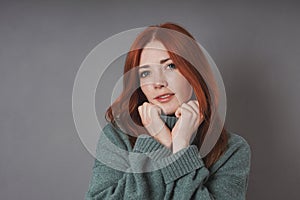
(150, 116)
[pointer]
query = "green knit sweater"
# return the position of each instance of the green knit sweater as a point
(151, 171)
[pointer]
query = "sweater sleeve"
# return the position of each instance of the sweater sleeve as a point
(121, 173)
(186, 176)
(117, 172)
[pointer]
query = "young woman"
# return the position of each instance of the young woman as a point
(159, 123)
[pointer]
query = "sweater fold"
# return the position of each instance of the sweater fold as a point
(149, 170)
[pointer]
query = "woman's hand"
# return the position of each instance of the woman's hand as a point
(187, 124)
(150, 116)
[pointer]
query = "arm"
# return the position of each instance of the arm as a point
(188, 178)
(116, 181)
(185, 174)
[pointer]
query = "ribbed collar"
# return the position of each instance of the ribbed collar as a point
(170, 120)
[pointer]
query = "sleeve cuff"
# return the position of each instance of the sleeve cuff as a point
(181, 163)
(152, 148)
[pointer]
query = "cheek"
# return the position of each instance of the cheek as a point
(146, 90)
(184, 90)
(187, 92)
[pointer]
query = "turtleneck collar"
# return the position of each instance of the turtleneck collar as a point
(170, 120)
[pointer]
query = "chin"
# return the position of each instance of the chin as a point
(169, 111)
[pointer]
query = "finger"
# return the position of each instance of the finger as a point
(158, 109)
(144, 117)
(201, 117)
(147, 112)
(194, 106)
(199, 111)
(193, 102)
(178, 112)
(153, 112)
(187, 108)
(140, 113)
(140, 110)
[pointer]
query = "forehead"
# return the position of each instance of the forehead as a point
(153, 53)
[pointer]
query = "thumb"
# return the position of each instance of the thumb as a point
(178, 112)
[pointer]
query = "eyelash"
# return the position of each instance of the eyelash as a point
(142, 74)
(170, 66)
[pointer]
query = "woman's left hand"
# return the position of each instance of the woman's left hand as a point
(187, 124)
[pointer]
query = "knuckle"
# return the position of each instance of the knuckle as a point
(140, 107)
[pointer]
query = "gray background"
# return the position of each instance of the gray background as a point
(42, 44)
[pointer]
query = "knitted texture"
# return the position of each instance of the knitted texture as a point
(182, 175)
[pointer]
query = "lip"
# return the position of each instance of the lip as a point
(163, 98)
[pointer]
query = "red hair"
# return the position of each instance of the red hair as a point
(190, 61)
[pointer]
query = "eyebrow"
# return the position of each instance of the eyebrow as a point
(164, 60)
(161, 62)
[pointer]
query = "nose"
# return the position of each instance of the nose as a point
(160, 82)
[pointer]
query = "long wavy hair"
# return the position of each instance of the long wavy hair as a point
(188, 57)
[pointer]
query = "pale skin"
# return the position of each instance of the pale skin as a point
(167, 92)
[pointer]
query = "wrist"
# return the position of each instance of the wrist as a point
(155, 127)
(180, 144)
(164, 137)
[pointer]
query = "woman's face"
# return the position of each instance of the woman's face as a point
(160, 80)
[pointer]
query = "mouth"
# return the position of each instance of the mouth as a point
(164, 97)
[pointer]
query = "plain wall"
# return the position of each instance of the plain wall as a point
(43, 43)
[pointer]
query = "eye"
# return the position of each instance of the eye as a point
(144, 74)
(171, 66)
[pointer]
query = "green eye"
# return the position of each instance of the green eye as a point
(171, 66)
(144, 74)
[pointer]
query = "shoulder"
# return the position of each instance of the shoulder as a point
(236, 142)
(237, 147)
(115, 135)
(237, 155)
(112, 149)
